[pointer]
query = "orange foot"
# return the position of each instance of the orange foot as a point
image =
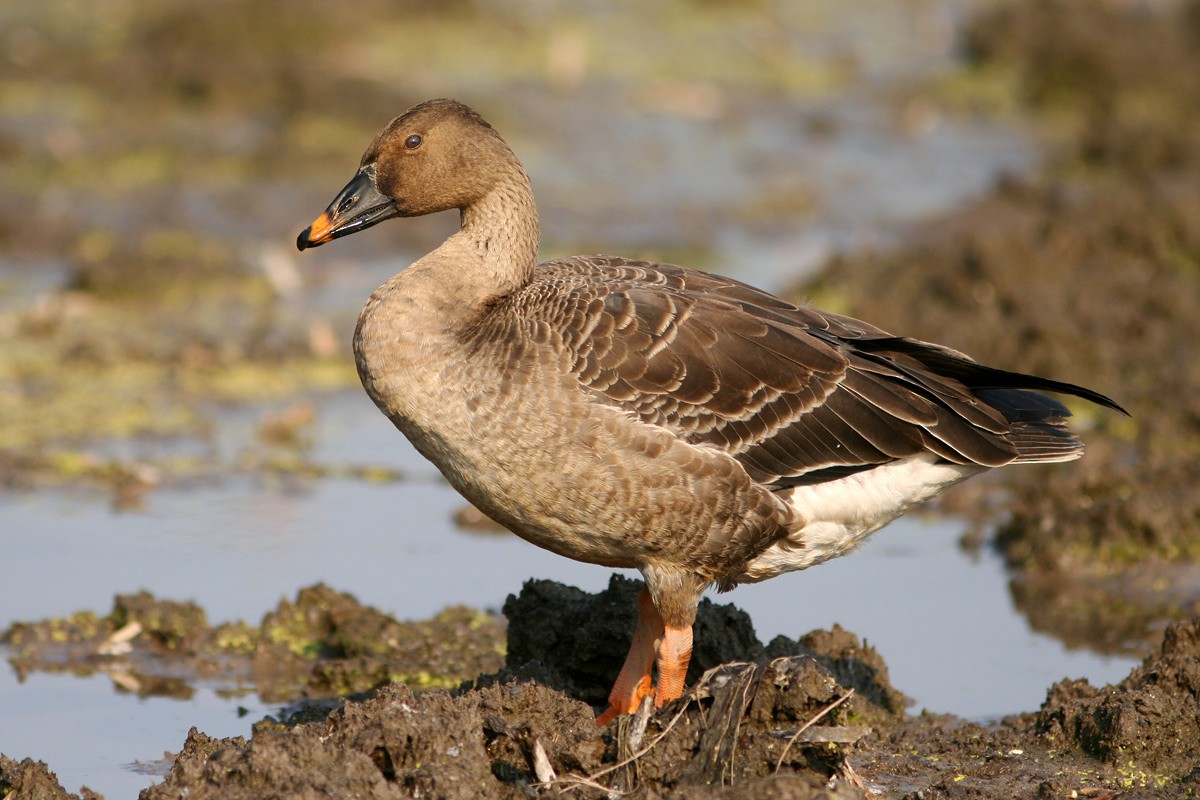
(653, 642)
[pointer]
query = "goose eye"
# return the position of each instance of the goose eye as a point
(413, 142)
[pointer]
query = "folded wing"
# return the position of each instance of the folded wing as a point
(796, 395)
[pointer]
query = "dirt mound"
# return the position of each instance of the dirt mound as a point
(765, 725)
(32, 780)
(1151, 719)
(504, 740)
(575, 642)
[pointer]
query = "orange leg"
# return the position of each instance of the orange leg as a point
(633, 682)
(670, 647)
(674, 654)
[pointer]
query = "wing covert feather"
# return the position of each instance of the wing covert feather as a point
(786, 390)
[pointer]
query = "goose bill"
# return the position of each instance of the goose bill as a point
(357, 207)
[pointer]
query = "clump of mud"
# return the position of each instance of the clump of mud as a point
(761, 721)
(1151, 719)
(34, 780)
(503, 741)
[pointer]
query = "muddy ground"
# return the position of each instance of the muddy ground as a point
(814, 718)
(1089, 272)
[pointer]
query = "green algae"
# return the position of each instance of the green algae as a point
(236, 637)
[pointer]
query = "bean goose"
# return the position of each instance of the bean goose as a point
(649, 416)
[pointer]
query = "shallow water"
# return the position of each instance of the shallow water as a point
(93, 734)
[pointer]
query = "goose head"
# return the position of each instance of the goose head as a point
(436, 156)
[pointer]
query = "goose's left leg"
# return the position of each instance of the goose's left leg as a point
(634, 682)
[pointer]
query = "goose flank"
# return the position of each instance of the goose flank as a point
(649, 416)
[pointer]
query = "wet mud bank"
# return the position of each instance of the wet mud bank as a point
(814, 718)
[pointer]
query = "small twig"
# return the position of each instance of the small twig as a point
(590, 780)
(118, 642)
(645, 749)
(578, 781)
(849, 693)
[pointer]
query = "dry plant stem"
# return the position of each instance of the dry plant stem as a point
(591, 779)
(809, 724)
(577, 782)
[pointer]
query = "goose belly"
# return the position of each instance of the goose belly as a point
(835, 516)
